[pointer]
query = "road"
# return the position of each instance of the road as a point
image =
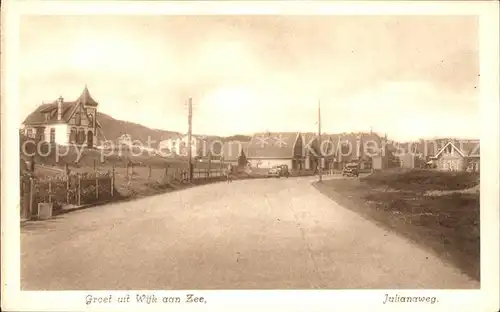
(251, 234)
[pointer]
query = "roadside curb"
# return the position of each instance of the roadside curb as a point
(65, 211)
(181, 187)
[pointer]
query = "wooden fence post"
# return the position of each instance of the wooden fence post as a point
(96, 187)
(30, 212)
(149, 175)
(95, 165)
(26, 197)
(79, 190)
(110, 183)
(67, 189)
(50, 191)
(209, 162)
(113, 181)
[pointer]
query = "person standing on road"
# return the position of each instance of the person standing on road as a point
(229, 173)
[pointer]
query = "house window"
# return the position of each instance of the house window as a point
(81, 137)
(29, 133)
(73, 135)
(78, 118)
(52, 135)
(40, 134)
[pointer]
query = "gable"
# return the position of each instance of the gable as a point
(449, 147)
(84, 119)
(38, 116)
(278, 145)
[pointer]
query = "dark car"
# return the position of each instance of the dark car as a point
(278, 171)
(350, 170)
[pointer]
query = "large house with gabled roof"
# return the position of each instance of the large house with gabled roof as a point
(268, 149)
(65, 122)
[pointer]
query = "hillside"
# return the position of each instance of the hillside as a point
(114, 128)
(51, 155)
(239, 137)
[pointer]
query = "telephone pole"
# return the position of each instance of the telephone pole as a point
(190, 126)
(319, 142)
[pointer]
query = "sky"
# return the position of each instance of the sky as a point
(407, 76)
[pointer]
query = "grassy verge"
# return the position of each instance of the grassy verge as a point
(446, 222)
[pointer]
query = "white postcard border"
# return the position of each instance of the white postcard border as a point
(320, 300)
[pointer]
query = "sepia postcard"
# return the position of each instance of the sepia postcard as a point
(295, 156)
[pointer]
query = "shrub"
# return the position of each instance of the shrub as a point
(423, 180)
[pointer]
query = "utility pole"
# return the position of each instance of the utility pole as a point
(319, 142)
(190, 124)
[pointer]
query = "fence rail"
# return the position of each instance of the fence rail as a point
(81, 185)
(61, 189)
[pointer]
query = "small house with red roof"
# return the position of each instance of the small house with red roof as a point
(65, 122)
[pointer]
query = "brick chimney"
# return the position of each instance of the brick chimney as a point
(59, 107)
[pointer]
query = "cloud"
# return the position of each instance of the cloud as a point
(258, 72)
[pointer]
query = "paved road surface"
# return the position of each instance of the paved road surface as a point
(254, 234)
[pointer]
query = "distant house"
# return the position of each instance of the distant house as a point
(458, 155)
(408, 161)
(315, 153)
(63, 123)
(125, 139)
(277, 148)
(366, 149)
(407, 155)
(202, 147)
(235, 152)
(208, 148)
(178, 145)
(439, 153)
(384, 157)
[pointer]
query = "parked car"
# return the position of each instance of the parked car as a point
(279, 171)
(350, 170)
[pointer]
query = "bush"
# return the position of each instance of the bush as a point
(423, 180)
